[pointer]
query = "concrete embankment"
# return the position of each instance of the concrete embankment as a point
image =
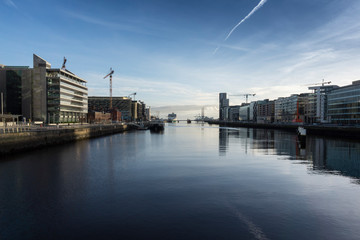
(291, 127)
(323, 130)
(16, 142)
(334, 131)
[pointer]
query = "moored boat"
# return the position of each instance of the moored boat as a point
(172, 117)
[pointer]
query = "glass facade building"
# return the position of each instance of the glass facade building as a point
(67, 97)
(44, 94)
(13, 91)
(223, 105)
(344, 104)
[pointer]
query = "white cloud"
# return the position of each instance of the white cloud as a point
(10, 3)
(275, 69)
(114, 25)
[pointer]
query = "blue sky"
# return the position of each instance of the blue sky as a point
(165, 49)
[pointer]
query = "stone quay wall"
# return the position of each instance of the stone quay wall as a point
(23, 141)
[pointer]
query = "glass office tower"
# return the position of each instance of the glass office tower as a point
(344, 104)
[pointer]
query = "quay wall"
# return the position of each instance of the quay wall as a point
(290, 127)
(321, 130)
(17, 142)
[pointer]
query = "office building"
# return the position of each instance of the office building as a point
(148, 113)
(343, 104)
(233, 113)
(316, 107)
(223, 106)
(265, 111)
(244, 112)
(122, 104)
(291, 109)
(44, 94)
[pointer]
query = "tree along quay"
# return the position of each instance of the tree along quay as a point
(42, 137)
(323, 129)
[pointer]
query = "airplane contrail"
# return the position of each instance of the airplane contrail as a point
(261, 3)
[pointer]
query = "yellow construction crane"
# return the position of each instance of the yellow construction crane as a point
(110, 75)
(246, 95)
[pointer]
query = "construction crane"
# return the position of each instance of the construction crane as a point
(322, 83)
(246, 95)
(133, 94)
(110, 75)
(63, 66)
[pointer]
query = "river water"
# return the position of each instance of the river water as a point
(193, 181)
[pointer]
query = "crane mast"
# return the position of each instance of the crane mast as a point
(110, 76)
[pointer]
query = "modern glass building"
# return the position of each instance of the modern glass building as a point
(344, 104)
(223, 105)
(15, 87)
(67, 96)
(44, 94)
(316, 106)
(291, 109)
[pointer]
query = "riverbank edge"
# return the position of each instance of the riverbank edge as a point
(26, 141)
(321, 130)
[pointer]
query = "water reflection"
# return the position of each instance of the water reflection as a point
(323, 155)
(334, 156)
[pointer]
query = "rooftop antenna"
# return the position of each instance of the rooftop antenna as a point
(63, 66)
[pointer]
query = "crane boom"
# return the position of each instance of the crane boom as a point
(321, 83)
(133, 94)
(110, 75)
(111, 72)
(245, 94)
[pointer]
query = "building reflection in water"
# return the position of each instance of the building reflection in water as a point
(334, 156)
(323, 155)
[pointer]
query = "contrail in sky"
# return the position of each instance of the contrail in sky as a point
(261, 3)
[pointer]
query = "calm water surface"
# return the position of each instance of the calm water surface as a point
(191, 182)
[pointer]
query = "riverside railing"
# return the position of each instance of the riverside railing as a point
(40, 128)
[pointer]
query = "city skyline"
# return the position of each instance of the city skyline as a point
(182, 53)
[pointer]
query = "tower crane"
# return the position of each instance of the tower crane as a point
(133, 94)
(110, 76)
(245, 94)
(322, 83)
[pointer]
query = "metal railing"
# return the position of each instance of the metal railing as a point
(42, 128)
